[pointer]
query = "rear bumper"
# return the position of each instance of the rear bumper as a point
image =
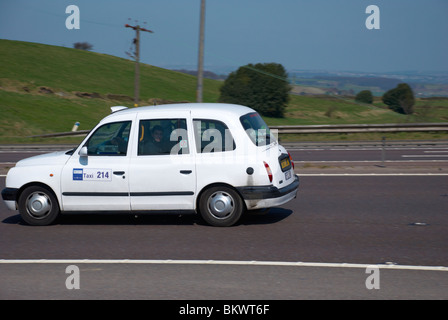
(268, 192)
(257, 197)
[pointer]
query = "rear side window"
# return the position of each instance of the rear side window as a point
(257, 130)
(162, 137)
(212, 136)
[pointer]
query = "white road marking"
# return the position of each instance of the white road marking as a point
(28, 151)
(424, 155)
(224, 262)
(369, 174)
(365, 149)
(366, 161)
(353, 174)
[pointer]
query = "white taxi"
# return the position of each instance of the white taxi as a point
(218, 160)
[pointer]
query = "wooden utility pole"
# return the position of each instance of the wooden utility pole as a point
(137, 61)
(201, 54)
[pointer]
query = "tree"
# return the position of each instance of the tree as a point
(400, 99)
(263, 87)
(82, 45)
(364, 96)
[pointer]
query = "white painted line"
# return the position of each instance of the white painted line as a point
(28, 151)
(351, 149)
(352, 174)
(424, 155)
(364, 149)
(365, 161)
(223, 262)
(370, 174)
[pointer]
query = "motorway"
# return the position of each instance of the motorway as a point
(356, 207)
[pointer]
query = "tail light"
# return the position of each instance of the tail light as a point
(292, 162)
(268, 171)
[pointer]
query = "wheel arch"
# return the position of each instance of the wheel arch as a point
(37, 184)
(217, 184)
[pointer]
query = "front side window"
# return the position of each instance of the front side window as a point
(162, 137)
(212, 136)
(110, 139)
(257, 130)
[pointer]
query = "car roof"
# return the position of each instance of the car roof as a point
(198, 109)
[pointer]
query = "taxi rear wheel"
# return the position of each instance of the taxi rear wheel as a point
(38, 206)
(221, 206)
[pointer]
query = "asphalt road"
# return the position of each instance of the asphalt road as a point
(342, 223)
(354, 153)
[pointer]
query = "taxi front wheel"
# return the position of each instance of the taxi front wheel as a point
(38, 206)
(221, 206)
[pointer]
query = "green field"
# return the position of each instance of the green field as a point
(46, 89)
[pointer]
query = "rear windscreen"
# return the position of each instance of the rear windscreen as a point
(257, 129)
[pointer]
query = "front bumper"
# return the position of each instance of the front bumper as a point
(9, 196)
(257, 197)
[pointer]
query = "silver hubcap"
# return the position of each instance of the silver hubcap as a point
(38, 205)
(220, 204)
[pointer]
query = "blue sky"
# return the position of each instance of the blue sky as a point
(300, 34)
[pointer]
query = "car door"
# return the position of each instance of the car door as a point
(95, 178)
(162, 170)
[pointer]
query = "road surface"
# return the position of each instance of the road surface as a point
(318, 246)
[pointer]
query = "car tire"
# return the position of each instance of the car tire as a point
(38, 206)
(221, 206)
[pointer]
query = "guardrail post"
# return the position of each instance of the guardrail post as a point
(383, 152)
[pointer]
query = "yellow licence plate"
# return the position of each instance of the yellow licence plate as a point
(285, 163)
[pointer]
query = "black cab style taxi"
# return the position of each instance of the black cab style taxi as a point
(217, 160)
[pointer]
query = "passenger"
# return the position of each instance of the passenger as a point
(156, 143)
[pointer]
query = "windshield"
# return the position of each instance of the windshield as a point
(257, 130)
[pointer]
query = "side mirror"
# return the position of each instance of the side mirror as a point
(83, 152)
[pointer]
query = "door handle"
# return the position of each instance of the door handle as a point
(185, 171)
(119, 173)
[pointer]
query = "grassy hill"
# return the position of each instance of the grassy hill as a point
(68, 70)
(46, 89)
